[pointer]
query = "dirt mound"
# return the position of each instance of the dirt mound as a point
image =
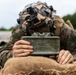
(32, 65)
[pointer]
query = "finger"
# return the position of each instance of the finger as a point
(69, 59)
(22, 47)
(66, 55)
(60, 55)
(23, 54)
(21, 51)
(66, 59)
(22, 42)
(17, 53)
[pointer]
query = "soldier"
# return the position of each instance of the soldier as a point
(46, 22)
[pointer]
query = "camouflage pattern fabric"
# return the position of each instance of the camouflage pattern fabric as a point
(39, 17)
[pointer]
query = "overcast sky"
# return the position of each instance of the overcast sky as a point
(9, 9)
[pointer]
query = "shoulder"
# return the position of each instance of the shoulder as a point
(59, 19)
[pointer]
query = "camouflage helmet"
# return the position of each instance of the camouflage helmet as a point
(38, 17)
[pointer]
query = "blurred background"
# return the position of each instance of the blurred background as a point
(9, 12)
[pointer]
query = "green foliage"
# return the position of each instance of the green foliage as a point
(10, 29)
(72, 18)
(3, 29)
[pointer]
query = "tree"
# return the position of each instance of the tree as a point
(72, 18)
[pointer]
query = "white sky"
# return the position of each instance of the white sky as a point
(9, 9)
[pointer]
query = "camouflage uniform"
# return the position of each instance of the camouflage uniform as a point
(46, 22)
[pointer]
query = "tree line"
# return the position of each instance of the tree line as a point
(71, 17)
(10, 29)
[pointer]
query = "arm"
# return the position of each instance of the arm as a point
(6, 51)
(67, 40)
(68, 43)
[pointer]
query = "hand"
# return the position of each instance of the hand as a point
(22, 48)
(65, 57)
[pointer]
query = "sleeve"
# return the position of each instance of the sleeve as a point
(6, 51)
(67, 35)
(68, 39)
